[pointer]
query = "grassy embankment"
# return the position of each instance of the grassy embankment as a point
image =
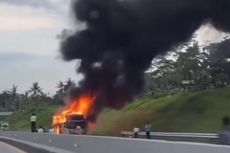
(185, 112)
(21, 120)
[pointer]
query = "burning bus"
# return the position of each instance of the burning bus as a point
(74, 115)
(71, 125)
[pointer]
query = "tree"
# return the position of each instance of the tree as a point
(35, 94)
(68, 85)
(5, 100)
(219, 62)
(61, 87)
(190, 65)
(13, 102)
(14, 97)
(164, 70)
(13, 90)
(35, 90)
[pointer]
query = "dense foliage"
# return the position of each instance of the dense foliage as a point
(194, 68)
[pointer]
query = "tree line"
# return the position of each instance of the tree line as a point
(11, 100)
(191, 68)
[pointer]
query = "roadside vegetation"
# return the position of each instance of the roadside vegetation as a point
(184, 112)
(186, 90)
(21, 120)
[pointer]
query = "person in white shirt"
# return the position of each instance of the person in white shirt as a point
(33, 120)
(40, 129)
(136, 130)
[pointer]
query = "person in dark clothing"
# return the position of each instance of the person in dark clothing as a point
(33, 120)
(148, 130)
(224, 135)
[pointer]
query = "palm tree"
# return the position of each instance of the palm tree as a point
(61, 87)
(35, 90)
(60, 93)
(13, 97)
(5, 100)
(13, 90)
(69, 84)
(26, 94)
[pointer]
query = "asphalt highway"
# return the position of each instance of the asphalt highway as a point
(6, 148)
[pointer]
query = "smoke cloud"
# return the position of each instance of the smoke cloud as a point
(123, 36)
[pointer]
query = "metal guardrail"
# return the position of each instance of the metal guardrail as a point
(6, 113)
(174, 134)
(190, 137)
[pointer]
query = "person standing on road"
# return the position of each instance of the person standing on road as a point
(33, 120)
(224, 135)
(136, 130)
(148, 130)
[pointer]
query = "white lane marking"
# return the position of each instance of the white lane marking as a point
(11, 148)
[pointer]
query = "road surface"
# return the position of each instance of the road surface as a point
(52, 143)
(6, 148)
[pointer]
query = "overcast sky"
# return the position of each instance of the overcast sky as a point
(28, 44)
(29, 47)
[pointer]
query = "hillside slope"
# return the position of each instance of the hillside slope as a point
(21, 120)
(185, 112)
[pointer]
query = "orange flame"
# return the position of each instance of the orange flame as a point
(80, 106)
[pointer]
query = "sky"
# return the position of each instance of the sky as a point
(29, 48)
(29, 45)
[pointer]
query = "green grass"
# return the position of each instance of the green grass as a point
(184, 112)
(21, 120)
(187, 112)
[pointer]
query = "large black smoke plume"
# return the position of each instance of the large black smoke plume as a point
(123, 36)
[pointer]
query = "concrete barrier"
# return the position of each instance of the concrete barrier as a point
(96, 144)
